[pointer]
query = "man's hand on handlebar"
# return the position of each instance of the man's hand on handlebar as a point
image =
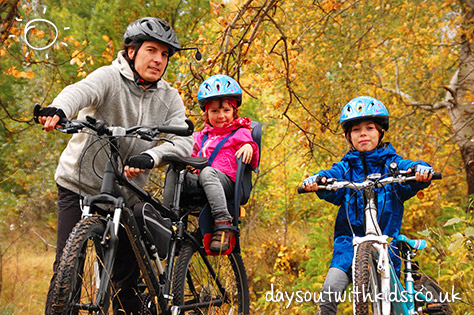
(49, 117)
(137, 164)
(131, 172)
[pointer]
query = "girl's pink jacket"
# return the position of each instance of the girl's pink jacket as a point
(225, 160)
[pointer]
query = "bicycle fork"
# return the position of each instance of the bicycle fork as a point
(380, 244)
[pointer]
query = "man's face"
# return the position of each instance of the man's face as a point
(151, 60)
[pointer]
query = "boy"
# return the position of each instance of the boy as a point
(364, 120)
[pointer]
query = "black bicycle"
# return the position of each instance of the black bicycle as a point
(177, 275)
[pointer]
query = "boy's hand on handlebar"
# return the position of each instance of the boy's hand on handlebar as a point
(311, 183)
(246, 151)
(422, 173)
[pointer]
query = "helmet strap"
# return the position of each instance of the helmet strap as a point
(382, 133)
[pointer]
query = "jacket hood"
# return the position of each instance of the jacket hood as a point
(123, 66)
(236, 123)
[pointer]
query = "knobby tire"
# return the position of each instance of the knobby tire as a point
(366, 281)
(80, 270)
(192, 282)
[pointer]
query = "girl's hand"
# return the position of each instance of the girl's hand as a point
(246, 151)
(192, 169)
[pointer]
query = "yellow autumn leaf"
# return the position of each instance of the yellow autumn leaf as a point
(183, 69)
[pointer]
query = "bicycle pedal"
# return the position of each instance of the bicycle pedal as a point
(435, 309)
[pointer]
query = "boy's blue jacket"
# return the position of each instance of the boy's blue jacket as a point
(355, 166)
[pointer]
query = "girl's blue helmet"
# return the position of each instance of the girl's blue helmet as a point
(219, 87)
(364, 108)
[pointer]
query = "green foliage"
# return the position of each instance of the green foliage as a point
(305, 60)
(451, 244)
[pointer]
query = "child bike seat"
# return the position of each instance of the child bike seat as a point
(414, 244)
(182, 162)
(242, 189)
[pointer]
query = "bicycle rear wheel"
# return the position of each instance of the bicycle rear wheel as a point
(80, 271)
(366, 281)
(193, 284)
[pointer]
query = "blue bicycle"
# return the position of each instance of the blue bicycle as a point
(377, 289)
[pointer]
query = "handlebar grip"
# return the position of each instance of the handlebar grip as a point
(37, 113)
(180, 131)
(437, 175)
(301, 190)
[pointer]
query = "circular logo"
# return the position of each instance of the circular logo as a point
(29, 26)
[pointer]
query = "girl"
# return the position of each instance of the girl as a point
(225, 137)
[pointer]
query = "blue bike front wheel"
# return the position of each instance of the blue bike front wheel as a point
(366, 286)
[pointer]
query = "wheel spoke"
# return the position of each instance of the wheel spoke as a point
(193, 284)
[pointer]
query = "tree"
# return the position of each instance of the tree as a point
(314, 57)
(459, 100)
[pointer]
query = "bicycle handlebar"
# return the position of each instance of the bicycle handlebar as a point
(143, 132)
(375, 181)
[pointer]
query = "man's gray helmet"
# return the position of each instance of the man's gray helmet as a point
(152, 29)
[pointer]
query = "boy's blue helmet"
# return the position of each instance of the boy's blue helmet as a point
(219, 87)
(364, 108)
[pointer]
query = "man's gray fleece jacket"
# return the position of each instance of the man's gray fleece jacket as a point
(111, 94)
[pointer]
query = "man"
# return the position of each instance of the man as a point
(127, 93)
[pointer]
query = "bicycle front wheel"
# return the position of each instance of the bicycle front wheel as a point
(366, 281)
(81, 270)
(195, 290)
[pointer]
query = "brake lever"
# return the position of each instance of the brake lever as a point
(69, 127)
(163, 139)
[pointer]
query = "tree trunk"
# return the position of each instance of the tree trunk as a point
(462, 109)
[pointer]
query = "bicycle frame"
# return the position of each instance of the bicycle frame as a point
(123, 214)
(159, 285)
(393, 293)
(404, 303)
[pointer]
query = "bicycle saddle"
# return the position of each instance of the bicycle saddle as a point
(415, 244)
(196, 162)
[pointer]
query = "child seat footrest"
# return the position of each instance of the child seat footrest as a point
(226, 227)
